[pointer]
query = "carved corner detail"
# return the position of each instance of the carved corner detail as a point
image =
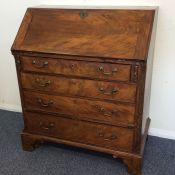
(135, 69)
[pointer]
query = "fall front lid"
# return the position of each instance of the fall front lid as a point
(86, 32)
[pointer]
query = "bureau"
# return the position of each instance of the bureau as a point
(85, 77)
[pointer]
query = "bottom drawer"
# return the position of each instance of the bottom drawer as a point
(115, 138)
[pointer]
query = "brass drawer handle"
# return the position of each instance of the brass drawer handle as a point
(43, 104)
(114, 70)
(106, 112)
(39, 64)
(113, 91)
(107, 138)
(46, 127)
(43, 84)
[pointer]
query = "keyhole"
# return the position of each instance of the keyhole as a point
(83, 14)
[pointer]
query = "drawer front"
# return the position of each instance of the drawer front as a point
(114, 114)
(80, 87)
(77, 68)
(83, 132)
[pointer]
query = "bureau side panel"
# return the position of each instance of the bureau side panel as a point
(149, 68)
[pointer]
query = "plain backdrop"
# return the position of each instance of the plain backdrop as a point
(162, 109)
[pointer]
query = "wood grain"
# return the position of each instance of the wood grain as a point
(96, 35)
(83, 132)
(80, 87)
(113, 114)
(106, 71)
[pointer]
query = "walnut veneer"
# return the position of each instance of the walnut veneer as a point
(84, 77)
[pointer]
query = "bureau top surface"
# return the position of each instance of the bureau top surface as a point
(109, 33)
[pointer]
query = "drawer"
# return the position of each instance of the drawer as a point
(115, 114)
(108, 71)
(111, 137)
(80, 87)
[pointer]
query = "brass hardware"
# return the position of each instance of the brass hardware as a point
(39, 64)
(43, 84)
(113, 91)
(72, 66)
(106, 112)
(83, 14)
(46, 127)
(43, 104)
(107, 138)
(101, 68)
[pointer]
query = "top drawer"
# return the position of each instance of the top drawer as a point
(98, 70)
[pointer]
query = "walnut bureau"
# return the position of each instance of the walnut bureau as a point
(85, 76)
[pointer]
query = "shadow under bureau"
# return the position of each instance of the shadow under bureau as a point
(85, 76)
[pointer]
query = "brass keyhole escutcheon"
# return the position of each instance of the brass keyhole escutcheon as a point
(83, 14)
